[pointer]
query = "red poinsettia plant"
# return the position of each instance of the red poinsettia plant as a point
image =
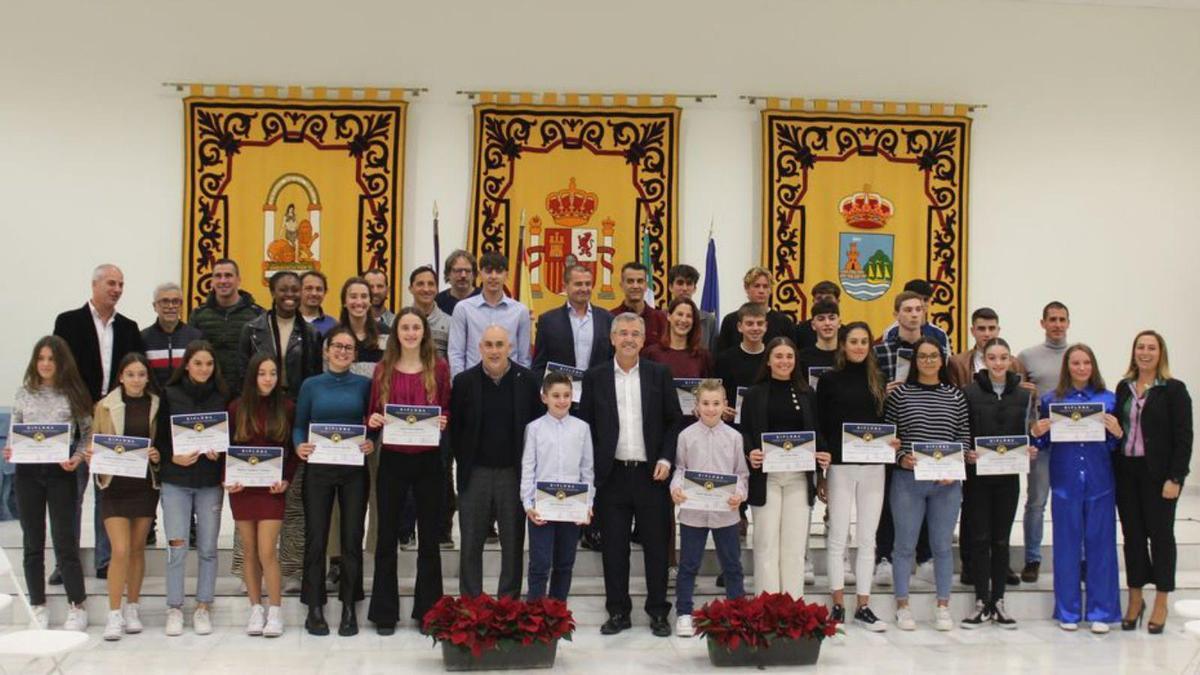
(482, 622)
(758, 620)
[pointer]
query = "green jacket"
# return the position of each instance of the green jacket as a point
(222, 326)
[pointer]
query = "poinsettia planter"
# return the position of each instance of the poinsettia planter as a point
(781, 652)
(506, 656)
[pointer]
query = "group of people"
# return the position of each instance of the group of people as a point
(591, 398)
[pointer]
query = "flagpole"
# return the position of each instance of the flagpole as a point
(437, 247)
(520, 259)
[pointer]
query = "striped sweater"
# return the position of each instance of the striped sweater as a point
(930, 414)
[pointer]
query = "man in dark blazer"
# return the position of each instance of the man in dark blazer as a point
(489, 463)
(99, 338)
(634, 414)
(575, 334)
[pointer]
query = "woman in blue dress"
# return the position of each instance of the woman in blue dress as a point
(1083, 494)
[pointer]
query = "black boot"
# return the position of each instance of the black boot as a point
(315, 623)
(349, 625)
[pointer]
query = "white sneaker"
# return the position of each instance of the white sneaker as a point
(924, 571)
(77, 618)
(810, 575)
(258, 618)
(174, 621)
(115, 626)
(40, 619)
(291, 584)
(201, 622)
(905, 620)
(684, 627)
(848, 572)
(1099, 628)
(274, 625)
(941, 619)
(883, 573)
(133, 620)
(1069, 626)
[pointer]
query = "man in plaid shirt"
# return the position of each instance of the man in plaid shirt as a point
(910, 316)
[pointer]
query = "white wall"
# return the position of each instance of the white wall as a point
(1084, 167)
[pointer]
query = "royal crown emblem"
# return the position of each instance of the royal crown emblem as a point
(572, 206)
(552, 250)
(866, 210)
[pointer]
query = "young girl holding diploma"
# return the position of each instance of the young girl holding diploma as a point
(129, 504)
(191, 484)
(409, 374)
(999, 407)
(1083, 494)
(52, 393)
(262, 417)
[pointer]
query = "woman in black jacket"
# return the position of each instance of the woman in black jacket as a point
(1150, 465)
(999, 406)
(781, 401)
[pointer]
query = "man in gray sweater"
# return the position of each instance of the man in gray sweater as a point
(1043, 363)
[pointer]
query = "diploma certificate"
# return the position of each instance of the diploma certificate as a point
(412, 425)
(868, 443)
(574, 373)
(904, 358)
(337, 444)
(253, 466)
(737, 415)
(40, 443)
(708, 491)
(1076, 422)
(1001, 455)
(562, 502)
(685, 388)
(789, 451)
(120, 456)
(815, 373)
(939, 461)
(202, 432)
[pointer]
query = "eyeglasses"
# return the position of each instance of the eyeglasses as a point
(169, 302)
(461, 270)
(341, 347)
(929, 357)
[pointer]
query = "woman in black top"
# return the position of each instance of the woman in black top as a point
(781, 401)
(852, 392)
(1151, 463)
(999, 406)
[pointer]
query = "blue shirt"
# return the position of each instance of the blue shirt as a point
(582, 329)
(472, 316)
(556, 450)
(330, 398)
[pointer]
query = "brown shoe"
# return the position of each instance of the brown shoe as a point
(1030, 574)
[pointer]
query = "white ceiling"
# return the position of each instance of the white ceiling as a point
(1159, 4)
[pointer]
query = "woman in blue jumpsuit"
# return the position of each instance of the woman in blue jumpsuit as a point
(1083, 494)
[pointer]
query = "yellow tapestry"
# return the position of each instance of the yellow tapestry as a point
(869, 201)
(598, 185)
(289, 184)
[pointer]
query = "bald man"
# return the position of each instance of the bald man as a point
(489, 467)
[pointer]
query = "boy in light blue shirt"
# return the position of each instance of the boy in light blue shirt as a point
(558, 449)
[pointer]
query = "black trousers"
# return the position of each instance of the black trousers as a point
(350, 486)
(399, 475)
(42, 488)
(990, 512)
(630, 492)
(492, 494)
(1148, 524)
(966, 545)
(885, 533)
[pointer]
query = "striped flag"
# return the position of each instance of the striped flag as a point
(649, 263)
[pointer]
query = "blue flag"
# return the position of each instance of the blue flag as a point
(710, 301)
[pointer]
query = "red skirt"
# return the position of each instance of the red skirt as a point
(257, 504)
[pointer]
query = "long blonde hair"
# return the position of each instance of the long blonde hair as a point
(1163, 372)
(391, 356)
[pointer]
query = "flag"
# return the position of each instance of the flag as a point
(649, 263)
(711, 300)
(437, 248)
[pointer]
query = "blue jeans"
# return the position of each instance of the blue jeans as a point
(103, 548)
(1037, 492)
(551, 557)
(691, 552)
(179, 503)
(914, 502)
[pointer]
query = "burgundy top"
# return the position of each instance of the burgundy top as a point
(409, 389)
(680, 362)
(289, 458)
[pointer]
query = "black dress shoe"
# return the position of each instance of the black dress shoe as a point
(385, 628)
(659, 626)
(721, 580)
(615, 624)
(349, 624)
(967, 579)
(1012, 579)
(590, 540)
(102, 572)
(315, 622)
(55, 578)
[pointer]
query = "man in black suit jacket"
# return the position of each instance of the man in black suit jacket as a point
(634, 415)
(99, 338)
(557, 339)
(489, 463)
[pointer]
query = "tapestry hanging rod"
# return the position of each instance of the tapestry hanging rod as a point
(573, 98)
(292, 91)
(826, 104)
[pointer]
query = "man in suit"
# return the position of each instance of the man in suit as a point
(489, 467)
(634, 414)
(99, 338)
(574, 334)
